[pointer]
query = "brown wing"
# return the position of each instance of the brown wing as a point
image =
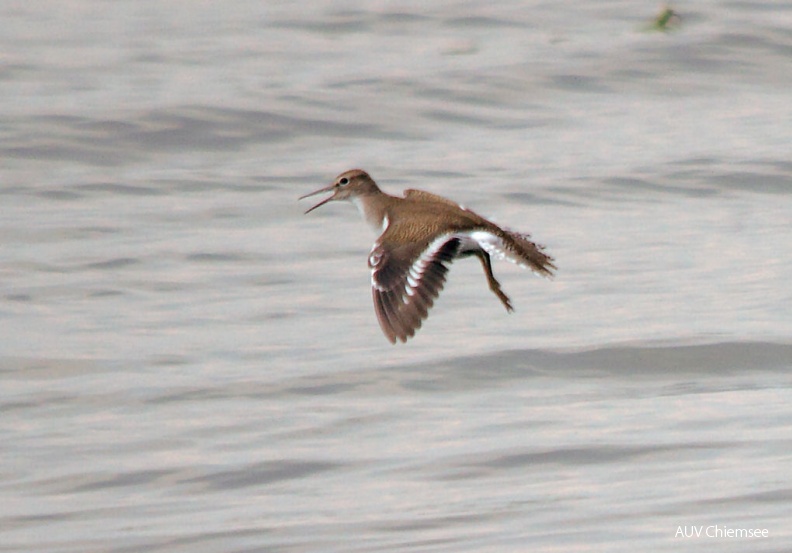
(420, 195)
(405, 281)
(515, 246)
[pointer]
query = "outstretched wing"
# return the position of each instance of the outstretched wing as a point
(405, 281)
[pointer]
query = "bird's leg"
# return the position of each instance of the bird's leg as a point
(493, 284)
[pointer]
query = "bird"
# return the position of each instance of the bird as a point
(420, 234)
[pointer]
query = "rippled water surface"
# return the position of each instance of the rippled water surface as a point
(187, 363)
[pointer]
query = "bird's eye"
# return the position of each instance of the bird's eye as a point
(344, 181)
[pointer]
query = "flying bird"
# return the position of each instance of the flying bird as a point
(420, 235)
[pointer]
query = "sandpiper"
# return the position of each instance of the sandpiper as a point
(421, 234)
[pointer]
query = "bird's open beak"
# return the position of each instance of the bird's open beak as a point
(314, 193)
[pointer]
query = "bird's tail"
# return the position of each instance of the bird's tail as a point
(520, 249)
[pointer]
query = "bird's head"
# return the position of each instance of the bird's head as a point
(345, 186)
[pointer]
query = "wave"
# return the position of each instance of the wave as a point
(650, 358)
(712, 365)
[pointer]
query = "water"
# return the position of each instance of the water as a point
(189, 364)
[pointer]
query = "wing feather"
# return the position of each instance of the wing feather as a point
(406, 280)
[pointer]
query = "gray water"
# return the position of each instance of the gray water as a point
(187, 363)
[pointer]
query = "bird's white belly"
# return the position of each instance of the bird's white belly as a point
(477, 240)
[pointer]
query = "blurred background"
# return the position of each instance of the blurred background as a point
(187, 363)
